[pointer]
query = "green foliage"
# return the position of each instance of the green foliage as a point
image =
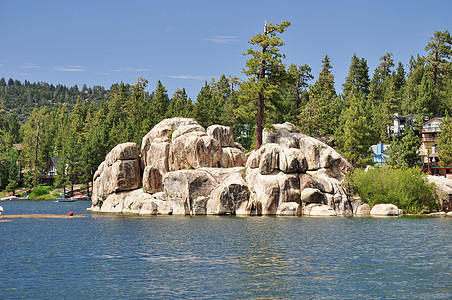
(357, 78)
(80, 126)
(207, 108)
(180, 105)
(439, 53)
(20, 99)
(267, 73)
(405, 188)
(445, 142)
(320, 115)
(160, 102)
(354, 134)
(356, 131)
(40, 190)
(403, 152)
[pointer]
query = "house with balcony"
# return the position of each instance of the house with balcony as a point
(48, 175)
(400, 124)
(429, 134)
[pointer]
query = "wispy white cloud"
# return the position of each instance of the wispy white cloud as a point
(195, 77)
(224, 39)
(29, 66)
(1, 65)
(18, 74)
(71, 69)
(131, 70)
(102, 73)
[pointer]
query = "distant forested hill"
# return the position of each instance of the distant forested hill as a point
(21, 98)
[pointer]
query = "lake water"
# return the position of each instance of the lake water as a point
(111, 256)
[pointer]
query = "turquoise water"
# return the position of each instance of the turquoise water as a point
(115, 257)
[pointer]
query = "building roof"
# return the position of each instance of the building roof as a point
(55, 161)
(439, 119)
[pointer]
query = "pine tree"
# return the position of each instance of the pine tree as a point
(138, 115)
(384, 99)
(403, 152)
(180, 105)
(226, 97)
(355, 134)
(35, 150)
(296, 95)
(160, 102)
(320, 115)
(439, 54)
(413, 83)
(207, 109)
(357, 78)
(445, 142)
(266, 72)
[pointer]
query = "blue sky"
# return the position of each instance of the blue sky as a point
(184, 43)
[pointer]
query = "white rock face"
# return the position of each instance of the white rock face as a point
(363, 210)
(161, 133)
(190, 170)
(193, 151)
(182, 144)
(223, 134)
(182, 187)
(443, 190)
(289, 209)
(152, 180)
(322, 210)
(119, 172)
(385, 210)
(232, 157)
(229, 197)
(135, 201)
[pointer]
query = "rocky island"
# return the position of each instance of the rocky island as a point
(186, 169)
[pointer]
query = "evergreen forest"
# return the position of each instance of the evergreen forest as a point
(81, 125)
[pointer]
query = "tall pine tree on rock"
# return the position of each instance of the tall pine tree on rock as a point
(266, 72)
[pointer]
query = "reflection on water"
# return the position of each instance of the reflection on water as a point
(118, 256)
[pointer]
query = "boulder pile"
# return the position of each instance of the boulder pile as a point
(186, 169)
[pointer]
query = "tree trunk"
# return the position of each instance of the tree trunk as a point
(35, 179)
(259, 120)
(260, 100)
(298, 95)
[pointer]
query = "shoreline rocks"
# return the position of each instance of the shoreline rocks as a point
(188, 170)
(385, 210)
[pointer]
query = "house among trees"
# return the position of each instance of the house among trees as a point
(48, 176)
(430, 135)
(380, 152)
(400, 124)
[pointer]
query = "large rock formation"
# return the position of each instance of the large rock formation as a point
(119, 172)
(187, 169)
(443, 190)
(293, 167)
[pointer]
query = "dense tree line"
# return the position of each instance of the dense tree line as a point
(21, 98)
(82, 126)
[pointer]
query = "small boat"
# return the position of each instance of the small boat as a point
(65, 198)
(79, 196)
(9, 198)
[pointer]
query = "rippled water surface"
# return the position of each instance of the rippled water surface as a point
(135, 257)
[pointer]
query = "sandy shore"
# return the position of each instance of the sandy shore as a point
(40, 216)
